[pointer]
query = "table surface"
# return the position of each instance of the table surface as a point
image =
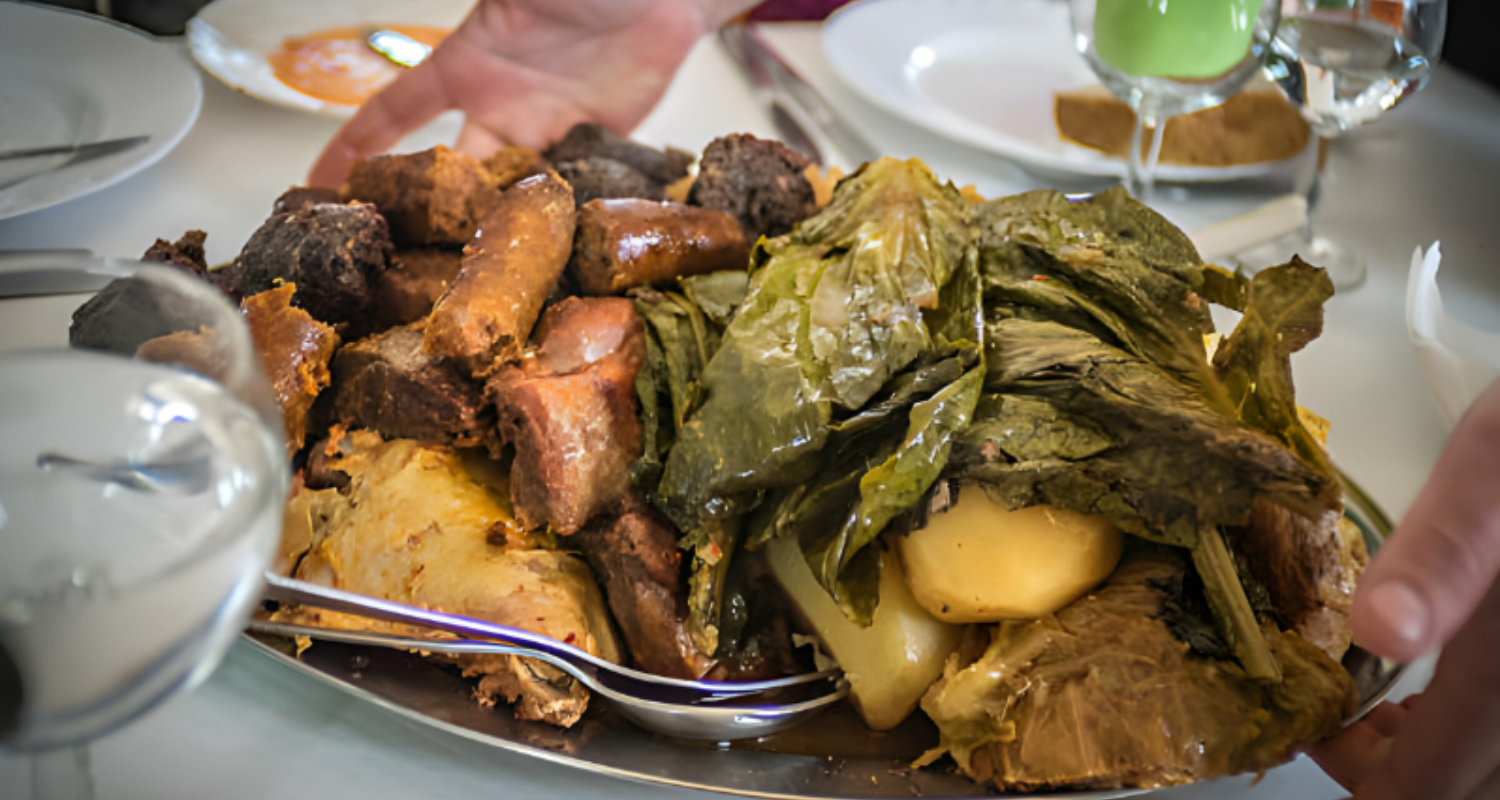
(1431, 171)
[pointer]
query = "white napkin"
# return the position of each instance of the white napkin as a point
(1460, 361)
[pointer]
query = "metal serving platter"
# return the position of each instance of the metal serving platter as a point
(834, 756)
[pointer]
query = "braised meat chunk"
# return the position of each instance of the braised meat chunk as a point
(592, 140)
(510, 268)
(295, 349)
(299, 198)
(626, 243)
(186, 252)
(437, 196)
(760, 182)
(511, 165)
(569, 409)
(127, 313)
(637, 559)
(334, 253)
(390, 384)
(417, 277)
(1308, 567)
(596, 178)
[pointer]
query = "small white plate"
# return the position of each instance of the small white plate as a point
(983, 73)
(231, 39)
(70, 78)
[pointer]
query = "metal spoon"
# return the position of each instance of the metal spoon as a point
(707, 710)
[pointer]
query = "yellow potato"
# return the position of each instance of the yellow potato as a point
(890, 664)
(981, 562)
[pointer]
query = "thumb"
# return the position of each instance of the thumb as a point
(1427, 580)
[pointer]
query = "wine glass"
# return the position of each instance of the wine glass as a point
(140, 502)
(1165, 59)
(1343, 63)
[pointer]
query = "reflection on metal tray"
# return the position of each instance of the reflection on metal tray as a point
(833, 756)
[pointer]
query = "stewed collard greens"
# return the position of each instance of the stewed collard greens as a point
(906, 342)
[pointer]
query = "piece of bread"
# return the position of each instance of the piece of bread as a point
(1254, 126)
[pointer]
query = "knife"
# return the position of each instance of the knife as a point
(28, 162)
(35, 273)
(791, 132)
(796, 93)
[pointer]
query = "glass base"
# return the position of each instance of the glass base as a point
(1346, 269)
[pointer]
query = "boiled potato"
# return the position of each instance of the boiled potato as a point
(890, 664)
(981, 562)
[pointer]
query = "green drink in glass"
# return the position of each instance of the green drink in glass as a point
(1170, 57)
(1187, 39)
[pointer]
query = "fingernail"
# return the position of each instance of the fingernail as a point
(1401, 610)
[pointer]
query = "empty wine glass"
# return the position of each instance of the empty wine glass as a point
(1344, 63)
(140, 501)
(1165, 59)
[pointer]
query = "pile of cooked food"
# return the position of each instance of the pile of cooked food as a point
(717, 418)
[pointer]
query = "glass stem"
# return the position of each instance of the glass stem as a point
(1140, 175)
(62, 774)
(1314, 191)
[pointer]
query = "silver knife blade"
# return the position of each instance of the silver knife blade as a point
(784, 119)
(26, 163)
(36, 273)
(850, 142)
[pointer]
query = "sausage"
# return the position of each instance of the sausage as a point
(516, 257)
(631, 242)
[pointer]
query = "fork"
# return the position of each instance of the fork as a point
(689, 709)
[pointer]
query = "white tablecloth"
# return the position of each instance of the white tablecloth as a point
(256, 730)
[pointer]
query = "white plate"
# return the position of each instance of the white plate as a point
(231, 39)
(983, 73)
(70, 78)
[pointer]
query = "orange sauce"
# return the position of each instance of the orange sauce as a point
(337, 66)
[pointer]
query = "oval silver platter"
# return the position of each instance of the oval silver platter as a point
(833, 756)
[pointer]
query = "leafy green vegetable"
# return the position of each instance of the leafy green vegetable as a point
(1107, 265)
(1077, 423)
(834, 310)
(683, 330)
(841, 334)
(1101, 397)
(1050, 349)
(1283, 311)
(892, 488)
(718, 294)
(1224, 288)
(1226, 596)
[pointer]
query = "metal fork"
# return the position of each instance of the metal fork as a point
(708, 710)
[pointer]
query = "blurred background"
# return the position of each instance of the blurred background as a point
(1472, 24)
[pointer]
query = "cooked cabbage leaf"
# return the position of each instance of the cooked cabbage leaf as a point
(849, 323)
(1103, 694)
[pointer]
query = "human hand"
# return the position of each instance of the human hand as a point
(524, 71)
(1434, 584)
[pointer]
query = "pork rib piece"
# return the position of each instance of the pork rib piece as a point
(569, 408)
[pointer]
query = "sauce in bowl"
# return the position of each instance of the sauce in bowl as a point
(337, 66)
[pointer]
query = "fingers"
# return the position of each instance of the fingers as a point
(477, 140)
(408, 103)
(1428, 578)
(1352, 755)
(1448, 746)
(1386, 718)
